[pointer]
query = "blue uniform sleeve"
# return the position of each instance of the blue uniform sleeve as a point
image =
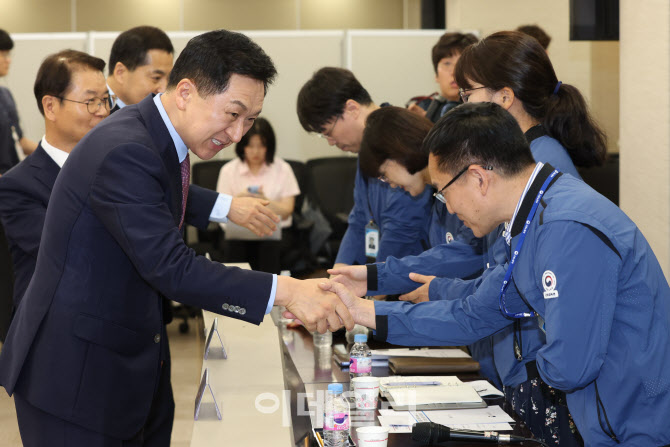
(451, 322)
(578, 319)
(402, 225)
(352, 249)
(455, 260)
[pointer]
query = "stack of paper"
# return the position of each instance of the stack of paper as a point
(481, 419)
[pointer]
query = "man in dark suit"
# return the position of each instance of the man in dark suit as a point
(83, 355)
(139, 65)
(66, 82)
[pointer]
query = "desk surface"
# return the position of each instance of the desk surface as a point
(252, 371)
(308, 365)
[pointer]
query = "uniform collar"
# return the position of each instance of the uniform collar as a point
(57, 155)
(509, 227)
(182, 150)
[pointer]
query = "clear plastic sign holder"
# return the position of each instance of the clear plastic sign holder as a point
(219, 354)
(204, 384)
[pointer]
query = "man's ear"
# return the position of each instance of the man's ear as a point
(120, 72)
(184, 93)
(352, 108)
(50, 104)
(482, 177)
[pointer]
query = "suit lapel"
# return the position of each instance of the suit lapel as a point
(44, 169)
(168, 152)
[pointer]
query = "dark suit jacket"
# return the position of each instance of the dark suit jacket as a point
(85, 342)
(24, 196)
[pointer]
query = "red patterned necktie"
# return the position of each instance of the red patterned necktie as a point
(185, 179)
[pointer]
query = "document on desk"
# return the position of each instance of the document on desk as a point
(435, 397)
(492, 418)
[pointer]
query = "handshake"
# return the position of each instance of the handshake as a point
(325, 305)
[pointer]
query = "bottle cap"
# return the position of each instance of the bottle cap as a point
(335, 388)
(360, 338)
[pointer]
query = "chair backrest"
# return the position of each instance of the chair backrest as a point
(331, 182)
(605, 178)
(302, 176)
(206, 173)
(6, 285)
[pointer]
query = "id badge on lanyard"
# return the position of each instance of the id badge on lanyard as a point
(371, 239)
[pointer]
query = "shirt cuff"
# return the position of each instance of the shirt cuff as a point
(273, 295)
(373, 284)
(382, 325)
(221, 209)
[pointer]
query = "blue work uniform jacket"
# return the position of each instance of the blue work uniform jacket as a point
(604, 303)
(400, 217)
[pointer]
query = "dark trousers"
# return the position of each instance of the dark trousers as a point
(40, 429)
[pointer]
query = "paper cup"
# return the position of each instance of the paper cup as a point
(372, 436)
(366, 392)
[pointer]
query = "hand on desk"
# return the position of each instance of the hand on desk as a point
(421, 294)
(354, 277)
(253, 213)
(317, 309)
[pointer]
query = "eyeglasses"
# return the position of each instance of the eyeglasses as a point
(439, 195)
(329, 132)
(463, 92)
(92, 105)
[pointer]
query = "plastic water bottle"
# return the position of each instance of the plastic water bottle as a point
(336, 418)
(360, 357)
(322, 339)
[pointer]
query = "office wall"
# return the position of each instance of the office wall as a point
(591, 67)
(645, 114)
(19, 16)
(393, 65)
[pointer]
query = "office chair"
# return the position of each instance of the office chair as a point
(331, 190)
(295, 253)
(605, 178)
(206, 174)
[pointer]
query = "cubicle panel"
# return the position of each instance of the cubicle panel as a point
(297, 55)
(27, 56)
(393, 65)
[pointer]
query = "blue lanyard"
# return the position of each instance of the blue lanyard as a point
(515, 253)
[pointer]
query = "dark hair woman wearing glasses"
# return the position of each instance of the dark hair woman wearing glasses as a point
(513, 70)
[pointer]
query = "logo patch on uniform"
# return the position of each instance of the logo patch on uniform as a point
(449, 237)
(549, 284)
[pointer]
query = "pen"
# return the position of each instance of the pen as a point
(401, 384)
(318, 436)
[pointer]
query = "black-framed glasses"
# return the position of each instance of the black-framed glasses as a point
(329, 132)
(463, 92)
(439, 195)
(92, 105)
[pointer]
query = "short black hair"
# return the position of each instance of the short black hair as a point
(324, 96)
(131, 46)
(54, 76)
(536, 32)
(6, 42)
(211, 58)
(451, 44)
(479, 133)
(393, 133)
(263, 129)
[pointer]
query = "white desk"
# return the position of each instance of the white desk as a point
(253, 367)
